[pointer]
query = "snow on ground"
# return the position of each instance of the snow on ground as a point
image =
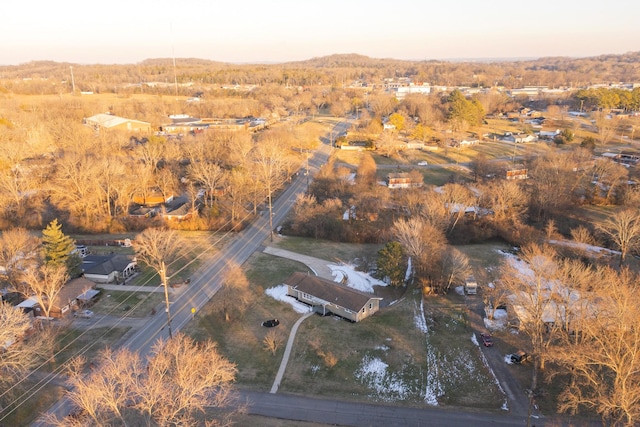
(387, 385)
(280, 293)
(597, 250)
(505, 404)
(419, 319)
(354, 279)
(407, 275)
(459, 290)
(498, 322)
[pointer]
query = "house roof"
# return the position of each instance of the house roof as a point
(109, 120)
(28, 303)
(106, 264)
(72, 289)
(329, 291)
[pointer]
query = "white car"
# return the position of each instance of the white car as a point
(422, 163)
(86, 314)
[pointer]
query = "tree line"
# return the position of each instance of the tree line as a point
(328, 71)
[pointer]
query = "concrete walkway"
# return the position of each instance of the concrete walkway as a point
(317, 265)
(320, 269)
(287, 352)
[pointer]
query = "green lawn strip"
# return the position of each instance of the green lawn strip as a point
(38, 403)
(241, 339)
(330, 251)
(465, 379)
(87, 342)
(390, 336)
(139, 304)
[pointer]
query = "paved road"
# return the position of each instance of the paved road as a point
(347, 413)
(206, 282)
(318, 266)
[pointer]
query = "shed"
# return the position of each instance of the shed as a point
(325, 297)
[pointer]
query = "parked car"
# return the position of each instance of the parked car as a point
(520, 357)
(487, 339)
(423, 163)
(85, 314)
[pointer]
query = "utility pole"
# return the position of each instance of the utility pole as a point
(73, 82)
(163, 277)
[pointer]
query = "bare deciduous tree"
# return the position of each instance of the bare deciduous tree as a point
(272, 341)
(180, 379)
(235, 293)
(623, 228)
(18, 355)
(18, 253)
(531, 296)
(158, 248)
(455, 267)
(602, 351)
(272, 167)
(45, 284)
(424, 243)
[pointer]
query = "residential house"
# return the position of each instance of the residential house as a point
(520, 138)
(75, 291)
(111, 122)
(468, 142)
(401, 180)
(548, 135)
(178, 210)
(325, 297)
(522, 173)
(109, 268)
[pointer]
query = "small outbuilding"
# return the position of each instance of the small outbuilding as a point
(325, 297)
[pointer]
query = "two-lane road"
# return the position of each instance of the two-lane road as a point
(207, 280)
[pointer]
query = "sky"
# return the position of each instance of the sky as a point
(252, 31)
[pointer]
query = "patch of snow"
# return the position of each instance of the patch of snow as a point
(585, 247)
(433, 388)
(407, 275)
(500, 314)
(491, 285)
(373, 372)
(505, 404)
(474, 340)
(419, 319)
(494, 325)
(382, 347)
(459, 290)
(280, 293)
(355, 279)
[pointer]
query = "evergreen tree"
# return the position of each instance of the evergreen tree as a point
(391, 263)
(59, 249)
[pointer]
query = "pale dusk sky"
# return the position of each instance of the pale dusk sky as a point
(252, 31)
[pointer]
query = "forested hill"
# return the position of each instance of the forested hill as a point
(336, 70)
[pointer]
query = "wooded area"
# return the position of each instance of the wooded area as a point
(55, 170)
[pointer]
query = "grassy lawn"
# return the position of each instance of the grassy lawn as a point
(38, 403)
(442, 363)
(85, 341)
(357, 254)
(115, 303)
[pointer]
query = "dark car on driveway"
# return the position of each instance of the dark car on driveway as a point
(487, 339)
(520, 357)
